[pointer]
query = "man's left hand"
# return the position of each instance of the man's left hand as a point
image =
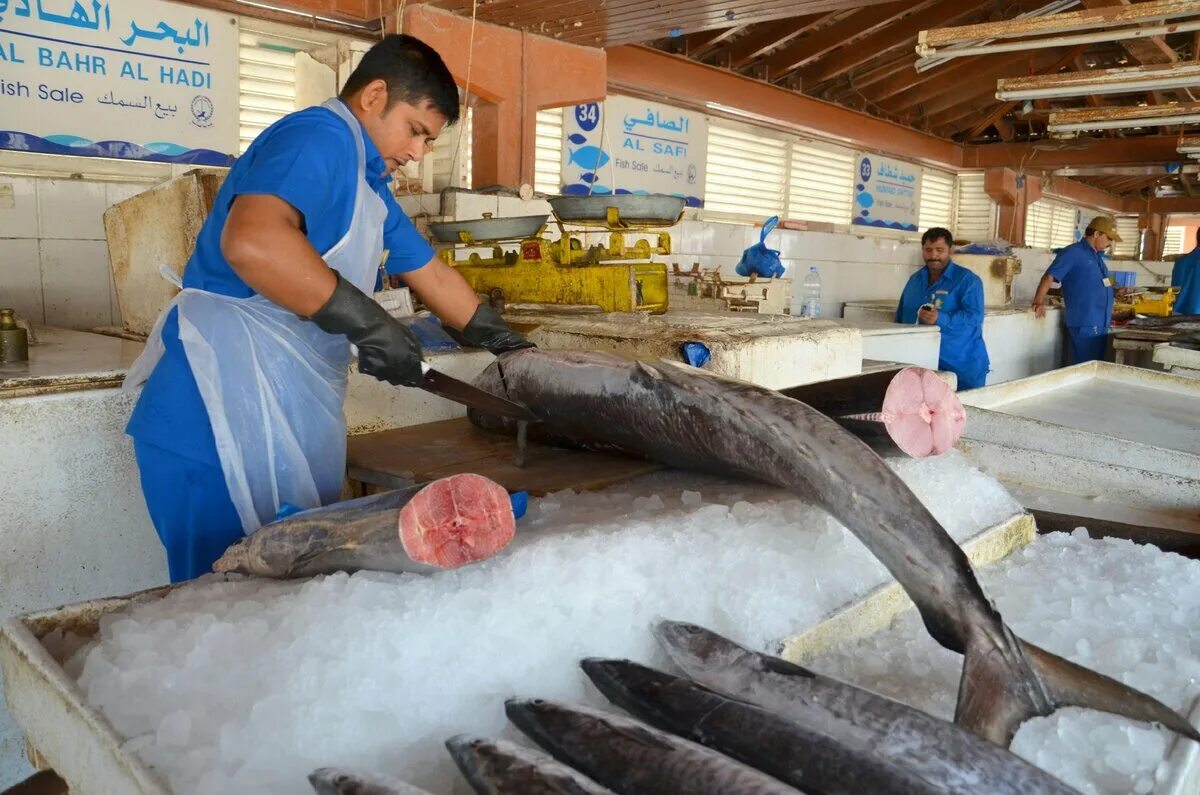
(927, 317)
(488, 330)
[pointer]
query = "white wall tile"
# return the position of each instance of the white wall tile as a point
(21, 278)
(115, 192)
(18, 215)
(71, 209)
(75, 283)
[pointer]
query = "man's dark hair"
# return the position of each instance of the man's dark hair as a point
(1090, 231)
(413, 71)
(937, 233)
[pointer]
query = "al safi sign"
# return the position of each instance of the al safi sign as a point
(130, 79)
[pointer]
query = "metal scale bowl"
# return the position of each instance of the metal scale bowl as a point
(613, 277)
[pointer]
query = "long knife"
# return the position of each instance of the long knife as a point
(472, 396)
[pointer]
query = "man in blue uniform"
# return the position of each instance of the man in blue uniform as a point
(950, 297)
(1087, 290)
(245, 372)
(1186, 276)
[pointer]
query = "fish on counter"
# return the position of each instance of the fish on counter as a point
(811, 731)
(441, 525)
(497, 767)
(632, 758)
(337, 781)
(690, 419)
(1170, 322)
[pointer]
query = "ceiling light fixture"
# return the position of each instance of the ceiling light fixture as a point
(1124, 118)
(1136, 79)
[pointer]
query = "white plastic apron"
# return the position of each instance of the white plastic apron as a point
(273, 384)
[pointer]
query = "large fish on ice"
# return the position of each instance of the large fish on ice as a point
(496, 767)
(632, 758)
(440, 525)
(337, 781)
(690, 419)
(808, 730)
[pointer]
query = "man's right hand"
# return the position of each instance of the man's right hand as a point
(386, 349)
(1039, 308)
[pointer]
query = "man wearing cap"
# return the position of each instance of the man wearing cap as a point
(1186, 276)
(1087, 289)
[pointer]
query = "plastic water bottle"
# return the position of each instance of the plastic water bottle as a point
(811, 299)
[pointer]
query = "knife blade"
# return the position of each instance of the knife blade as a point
(442, 385)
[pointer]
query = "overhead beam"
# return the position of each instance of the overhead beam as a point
(822, 41)
(1165, 206)
(1121, 171)
(1113, 118)
(1129, 80)
(888, 38)
(1084, 152)
(1004, 109)
(653, 74)
(983, 74)
(1153, 50)
(696, 44)
(1089, 19)
(763, 38)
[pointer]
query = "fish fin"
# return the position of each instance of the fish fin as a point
(1003, 687)
(778, 665)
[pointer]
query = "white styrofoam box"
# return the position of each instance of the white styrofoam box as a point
(421, 204)
(75, 283)
(71, 209)
(18, 210)
(514, 206)
(115, 192)
(21, 278)
(1020, 344)
(470, 206)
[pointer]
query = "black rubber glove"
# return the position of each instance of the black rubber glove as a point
(487, 329)
(386, 349)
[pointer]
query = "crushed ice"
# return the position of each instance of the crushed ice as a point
(247, 686)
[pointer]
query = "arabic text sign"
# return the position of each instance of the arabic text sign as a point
(887, 193)
(132, 79)
(627, 145)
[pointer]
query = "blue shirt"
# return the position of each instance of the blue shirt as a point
(1186, 276)
(308, 159)
(1082, 272)
(958, 295)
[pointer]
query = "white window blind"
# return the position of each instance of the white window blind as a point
(974, 210)
(746, 172)
(1174, 242)
(1038, 222)
(1063, 230)
(820, 183)
(451, 156)
(267, 73)
(1131, 237)
(937, 200)
(1050, 224)
(547, 159)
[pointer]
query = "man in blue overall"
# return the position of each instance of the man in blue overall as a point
(1186, 276)
(245, 372)
(1087, 290)
(950, 297)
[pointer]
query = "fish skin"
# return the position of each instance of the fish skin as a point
(338, 781)
(937, 755)
(346, 536)
(496, 767)
(1174, 322)
(691, 419)
(631, 758)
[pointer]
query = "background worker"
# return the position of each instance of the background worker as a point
(1087, 289)
(1186, 276)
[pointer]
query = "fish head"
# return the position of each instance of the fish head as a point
(469, 753)
(332, 781)
(618, 678)
(544, 722)
(693, 648)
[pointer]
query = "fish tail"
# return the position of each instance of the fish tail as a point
(1007, 682)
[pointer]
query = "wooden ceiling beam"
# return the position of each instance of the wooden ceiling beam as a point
(828, 38)
(985, 72)
(696, 44)
(1071, 56)
(1139, 150)
(763, 38)
(894, 35)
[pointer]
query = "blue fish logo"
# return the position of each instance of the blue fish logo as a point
(865, 199)
(576, 189)
(601, 190)
(589, 158)
(588, 177)
(577, 139)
